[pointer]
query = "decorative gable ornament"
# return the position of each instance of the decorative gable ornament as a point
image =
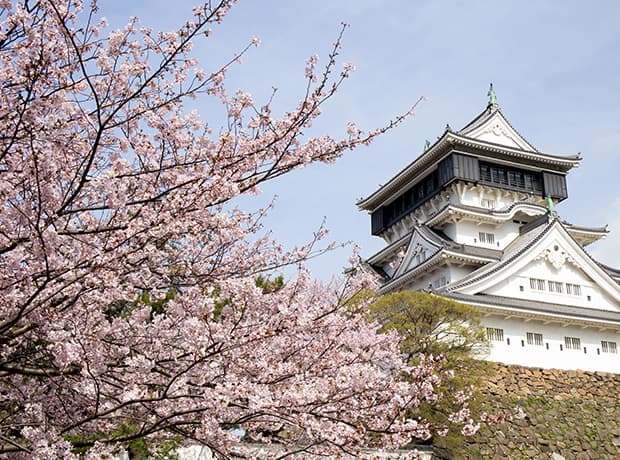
(557, 257)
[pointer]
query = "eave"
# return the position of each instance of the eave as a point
(585, 235)
(541, 311)
(484, 215)
(441, 257)
(388, 251)
(443, 146)
(614, 273)
(563, 163)
(402, 179)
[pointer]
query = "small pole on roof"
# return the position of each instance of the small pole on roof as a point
(492, 97)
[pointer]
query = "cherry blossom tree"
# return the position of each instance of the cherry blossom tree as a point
(129, 308)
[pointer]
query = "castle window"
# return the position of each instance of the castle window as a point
(511, 178)
(439, 282)
(555, 286)
(537, 284)
(516, 179)
(499, 175)
(572, 343)
(487, 238)
(495, 334)
(573, 289)
(534, 338)
(609, 347)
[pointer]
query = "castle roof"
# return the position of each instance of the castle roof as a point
(510, 306)
(441, 250)
(547, 238)
(489, 135)
(492, 263)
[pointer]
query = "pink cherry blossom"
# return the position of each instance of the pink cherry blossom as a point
(129, 304)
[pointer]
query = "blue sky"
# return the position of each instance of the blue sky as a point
(555, 66)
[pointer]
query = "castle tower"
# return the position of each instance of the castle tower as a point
(472, 218)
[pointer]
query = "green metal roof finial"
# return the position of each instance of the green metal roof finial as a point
(427, 145)
(549, 204)
(492, 96)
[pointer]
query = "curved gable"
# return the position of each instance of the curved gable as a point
(420, 248)
(551, 256)
(497, 130)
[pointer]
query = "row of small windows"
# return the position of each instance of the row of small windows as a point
(558, 287)
(513, 178)
(410, 199)
(536, 339)
(494, 334)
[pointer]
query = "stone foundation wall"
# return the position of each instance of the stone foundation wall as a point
(570, 414)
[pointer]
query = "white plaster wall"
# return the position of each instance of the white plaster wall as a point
(450, 231)
(469, 197)
(458, 272)
(518, 286)
(553, 334)
(467, 232)
(421, 283)
(451, 273)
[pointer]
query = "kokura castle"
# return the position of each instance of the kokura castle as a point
(472, 218)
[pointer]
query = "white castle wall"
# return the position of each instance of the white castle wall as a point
(467, 232)
(518, 286)
(515, 350)
(434, 279)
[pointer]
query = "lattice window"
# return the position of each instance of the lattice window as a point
(487, 238)
(534, 338)
(495, 334)
(572, 343)
(537, 284)
(555, 286)
(609, 347)
(573, 289)
(439, 282)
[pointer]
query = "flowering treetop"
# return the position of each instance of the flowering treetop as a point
(129, 308)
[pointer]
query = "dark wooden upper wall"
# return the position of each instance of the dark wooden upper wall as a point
(458, 166)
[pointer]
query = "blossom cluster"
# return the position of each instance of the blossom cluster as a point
(129, 302)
